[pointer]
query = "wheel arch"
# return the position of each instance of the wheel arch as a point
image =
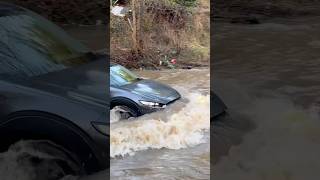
(36, 125)
(125, 101)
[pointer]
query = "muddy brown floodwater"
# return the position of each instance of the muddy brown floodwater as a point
(171, 144)
(268, 75)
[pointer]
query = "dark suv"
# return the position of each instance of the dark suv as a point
(53, 91)
(133, 96)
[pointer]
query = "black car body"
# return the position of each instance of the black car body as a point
(136, 95)
(52, 87)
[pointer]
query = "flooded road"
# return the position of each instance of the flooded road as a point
(171, 144)
(268, 75)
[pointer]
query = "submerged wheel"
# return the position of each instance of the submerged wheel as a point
(125, 112)
(48, 160)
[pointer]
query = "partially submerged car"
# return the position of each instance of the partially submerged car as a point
(52, 91)
(133, 96)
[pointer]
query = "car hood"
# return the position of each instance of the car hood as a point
(153, 90)
(87, 83)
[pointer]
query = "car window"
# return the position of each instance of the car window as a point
(31, 45)
(6, 56)
(120, 76)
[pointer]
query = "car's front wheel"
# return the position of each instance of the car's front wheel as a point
(123, 112)
(46, 159)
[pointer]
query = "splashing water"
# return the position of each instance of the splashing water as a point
(169, 144)
(283, 146)
(172, 128)
(114, 115)
(270, 65)
(26, 161)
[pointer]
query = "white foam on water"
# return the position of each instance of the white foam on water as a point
(180, 126)
(114, 115)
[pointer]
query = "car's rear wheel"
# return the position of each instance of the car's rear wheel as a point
(47, 159)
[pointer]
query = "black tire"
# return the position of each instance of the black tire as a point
(126, 105)
(38, 126)
(125, 112)
(54, 162)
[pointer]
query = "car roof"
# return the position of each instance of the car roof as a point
(7, 9)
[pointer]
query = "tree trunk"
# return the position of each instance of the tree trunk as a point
(137, 15)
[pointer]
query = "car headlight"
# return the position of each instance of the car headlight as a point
(152, 104)
(102, 128)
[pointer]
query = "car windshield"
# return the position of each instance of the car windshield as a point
(31, 45)
(120, 76)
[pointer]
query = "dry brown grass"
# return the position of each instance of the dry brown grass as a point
(168, 30)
